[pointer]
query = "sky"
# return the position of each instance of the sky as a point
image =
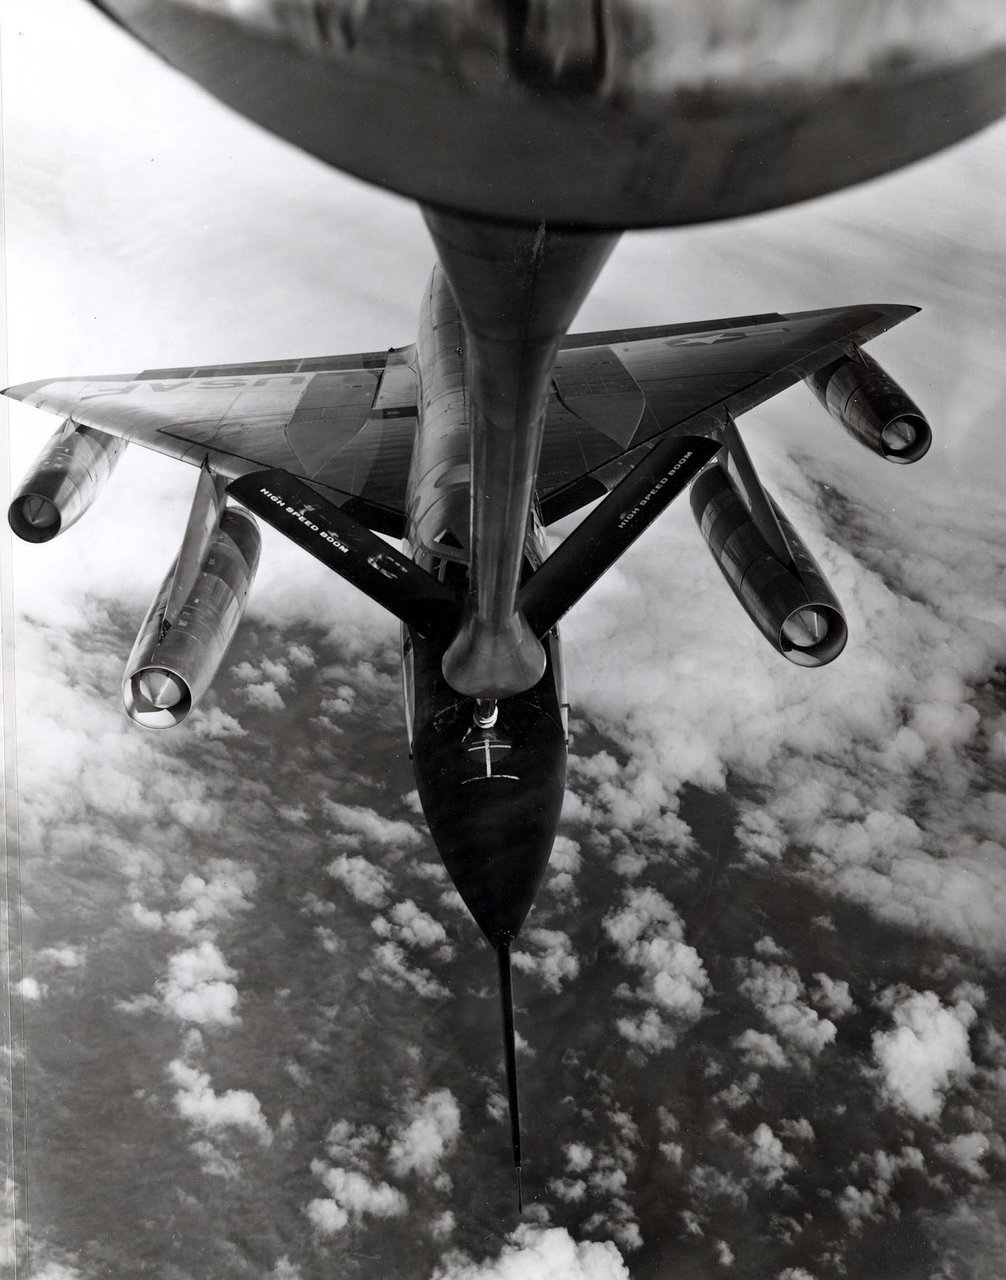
(760, 997)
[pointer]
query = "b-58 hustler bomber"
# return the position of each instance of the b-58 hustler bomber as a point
(468, 444)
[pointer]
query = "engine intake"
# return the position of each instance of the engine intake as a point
(174, 659)
(790, 604)
(66, 478)
(871, 406)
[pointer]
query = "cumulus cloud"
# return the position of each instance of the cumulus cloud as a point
(198, 987)
(224, 889)
(832, 995)
(967, 1151)
(53, 1270)
(839, 757)
(198, 1103)
(569, 1189)
(360, 820)
(925, 1052)
(642, 799)
(873, 1201)
(578, 1156)
(801, 1129)
(563, 868)
(761, 1049)
(352, 1196)
(212, 722)
(214, 1162)
(542, 1253)
(350, 1144)
(768, 1158)
(778, 991)
(64, 957)
(724, 1254)
(673, 982)
(412, 927)
(427, 1136)
(285, 1270)
(548, 954)
(709, 1183)
(367, 883)
(264, 695)
(442, 1226)
(390, 964)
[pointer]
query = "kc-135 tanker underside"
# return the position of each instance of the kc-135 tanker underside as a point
(532, 132)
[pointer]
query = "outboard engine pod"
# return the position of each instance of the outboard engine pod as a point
(872, 407)
(175, 658)
(67, 476)
(790, 604)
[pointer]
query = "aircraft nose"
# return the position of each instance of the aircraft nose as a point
(492, 798)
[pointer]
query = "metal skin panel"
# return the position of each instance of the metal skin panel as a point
(615, 113)
(315, 422)
(189, 648)
(334, 407)
(771, 591)
(63, 482)
(491, 797)
(516, 290)
(871, 406)
(689, 372)
(203, 523)
(438, 521)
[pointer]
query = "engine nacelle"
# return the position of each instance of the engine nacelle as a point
(872, 407)
(173, 662)
(67, 476)
(790, 604)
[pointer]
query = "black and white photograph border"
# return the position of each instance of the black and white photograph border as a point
(251, 1029)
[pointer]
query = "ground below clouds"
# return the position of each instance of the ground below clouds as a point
(244, 1059)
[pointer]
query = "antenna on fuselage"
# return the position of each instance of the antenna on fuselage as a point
(510, 1059)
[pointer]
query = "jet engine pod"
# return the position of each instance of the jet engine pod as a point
(790, 604)
(872, 407)
(66, 478)
(175, 657)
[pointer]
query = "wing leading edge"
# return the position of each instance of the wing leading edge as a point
(346, 424)
(616, 393)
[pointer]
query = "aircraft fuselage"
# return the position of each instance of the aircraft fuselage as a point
(491, 775)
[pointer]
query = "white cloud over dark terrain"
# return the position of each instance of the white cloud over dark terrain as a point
(760, 995)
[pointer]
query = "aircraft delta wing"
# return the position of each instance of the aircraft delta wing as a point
(336, 451)
(338, 432)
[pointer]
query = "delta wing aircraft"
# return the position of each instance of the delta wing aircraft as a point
(467, 445)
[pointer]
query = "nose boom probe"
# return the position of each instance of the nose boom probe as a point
(510, 1059)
